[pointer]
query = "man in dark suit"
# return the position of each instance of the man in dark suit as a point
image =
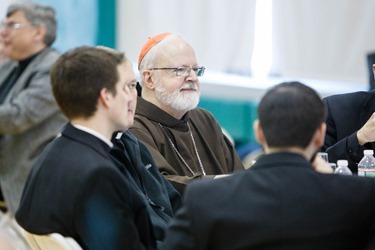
(350, 126)
(281, 202)
(75, 188)
(136, 163)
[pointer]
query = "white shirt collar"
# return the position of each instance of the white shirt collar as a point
(94, 133)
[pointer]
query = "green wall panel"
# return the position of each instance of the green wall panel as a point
(235, 116)
(106, 35)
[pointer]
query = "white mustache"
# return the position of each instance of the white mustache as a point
(189, 86)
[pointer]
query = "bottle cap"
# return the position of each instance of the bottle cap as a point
(343, 163)
(368, 152)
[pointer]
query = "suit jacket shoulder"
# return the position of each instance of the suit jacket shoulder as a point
(281, 199)
(82, 185)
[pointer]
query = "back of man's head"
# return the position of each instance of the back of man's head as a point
(38, 15)
(79, 75)
(289, 115)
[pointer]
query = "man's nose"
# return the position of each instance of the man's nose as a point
(192, 76)
(3, 31)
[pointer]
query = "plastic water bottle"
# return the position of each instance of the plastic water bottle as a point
(342, 168)
(366, 167)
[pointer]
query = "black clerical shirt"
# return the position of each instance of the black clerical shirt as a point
(9, 82)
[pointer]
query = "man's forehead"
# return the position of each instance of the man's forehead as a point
(180, 54)
(125, 69)
(17, 16)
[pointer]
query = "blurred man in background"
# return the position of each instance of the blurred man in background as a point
(350, 126)
(29, 115)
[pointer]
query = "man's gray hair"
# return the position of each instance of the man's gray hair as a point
(38, 15)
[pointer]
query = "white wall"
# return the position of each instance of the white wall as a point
(221, 31)
(4, 6)
(323, 39)
(311, 38)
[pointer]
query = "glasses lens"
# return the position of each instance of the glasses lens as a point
(10, 26)
(185, 71)
(13, 26)
(182, 71)
(200, 71)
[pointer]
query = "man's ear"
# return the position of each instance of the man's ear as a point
(104, 97)
(148, 79)
(259, 132)
(373, 69)
(40, 33)
(319, 135)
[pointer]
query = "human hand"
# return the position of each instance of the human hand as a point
(367, 132)
(321, 165)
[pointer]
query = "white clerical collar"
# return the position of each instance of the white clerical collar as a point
(94, 133)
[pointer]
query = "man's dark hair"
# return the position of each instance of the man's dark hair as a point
(79, 75)
(289, 114)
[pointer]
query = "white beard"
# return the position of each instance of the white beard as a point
(180, 101)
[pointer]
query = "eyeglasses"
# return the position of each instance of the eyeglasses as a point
(184, 71)
(13, 26)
